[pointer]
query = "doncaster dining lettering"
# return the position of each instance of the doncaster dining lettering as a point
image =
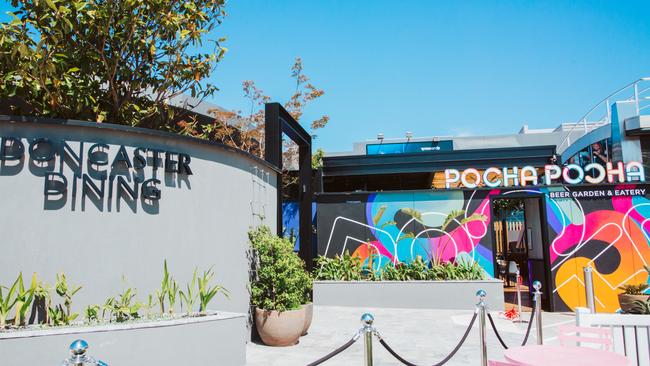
(593, 173)
(124, 168)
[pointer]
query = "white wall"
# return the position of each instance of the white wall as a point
(201, 219)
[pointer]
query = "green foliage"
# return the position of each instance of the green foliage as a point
(280, 281)
(317, 158)
(172, 293)
(189, 296)
(350, 268)
(123, 308)
(62, 289)
(8, 300)
(339, 268)
(24, 298)
(117, 61)
(641, 307)
(505, 205)
(161, 293)
(207, 292)
(42, 300)
(149, 305)
(92, 313)
(57, 314)
(637, 289)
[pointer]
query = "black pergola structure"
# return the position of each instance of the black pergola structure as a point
(276, 122)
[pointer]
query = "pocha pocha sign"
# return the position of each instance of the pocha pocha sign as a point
(493, 177)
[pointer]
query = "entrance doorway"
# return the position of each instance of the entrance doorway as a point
(520, 246)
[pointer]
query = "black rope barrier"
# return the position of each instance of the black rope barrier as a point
(453, 352)
(496, 332)
(336, 351)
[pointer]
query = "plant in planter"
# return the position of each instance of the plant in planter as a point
(123, 308)
(7, 302)
(340, 268)
(206, 292)
(58, 315)
(633, 293)
(24, 299)
(278, 288)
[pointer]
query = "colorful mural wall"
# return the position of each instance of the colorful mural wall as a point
(604, 226)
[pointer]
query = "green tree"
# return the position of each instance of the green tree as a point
(107, 60)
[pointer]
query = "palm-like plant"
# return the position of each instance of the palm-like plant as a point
(189, 296)
(24, 299)
(207, 292)
(7, 302)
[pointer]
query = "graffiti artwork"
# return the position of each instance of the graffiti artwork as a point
(604, 226)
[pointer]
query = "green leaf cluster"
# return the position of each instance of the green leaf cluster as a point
(340, 268)
(18, 300)
(351, 268)
(122, 308)
(279, 279)
(108, 60)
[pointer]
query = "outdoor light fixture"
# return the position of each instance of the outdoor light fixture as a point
(380, 136)
(436, 139)
(409, 134)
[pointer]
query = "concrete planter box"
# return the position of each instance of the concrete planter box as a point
(408, 294)
(218, 339)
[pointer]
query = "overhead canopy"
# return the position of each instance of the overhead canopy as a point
(427, 163)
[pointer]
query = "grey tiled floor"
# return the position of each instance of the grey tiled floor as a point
(421, 336)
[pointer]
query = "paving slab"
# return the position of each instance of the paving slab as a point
(423, 337)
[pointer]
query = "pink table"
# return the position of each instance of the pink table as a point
(563, 355)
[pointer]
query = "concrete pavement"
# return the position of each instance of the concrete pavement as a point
(423, 337)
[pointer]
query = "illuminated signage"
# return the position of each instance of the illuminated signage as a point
(593, 173)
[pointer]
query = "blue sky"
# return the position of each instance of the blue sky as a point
(435, 67)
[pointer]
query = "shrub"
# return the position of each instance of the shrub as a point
(351, 268)
(343, 268)
(279, 279)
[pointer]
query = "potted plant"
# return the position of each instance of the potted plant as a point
(280, 288)
(633, 293)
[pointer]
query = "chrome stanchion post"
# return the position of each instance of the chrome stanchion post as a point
(480, 307)
(518, 288)
(78, 355)
(367, 320)
(538, 311)
(589, 288)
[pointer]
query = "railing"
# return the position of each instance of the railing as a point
(630, 332)
(637, 92)
(78, 348)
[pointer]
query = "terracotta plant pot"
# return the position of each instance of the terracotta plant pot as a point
(627, 301)
(309, 314)
(279, 329)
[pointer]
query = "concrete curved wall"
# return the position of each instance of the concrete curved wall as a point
(110, 239)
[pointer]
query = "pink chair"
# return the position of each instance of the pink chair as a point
(570, 335)
(500, 363)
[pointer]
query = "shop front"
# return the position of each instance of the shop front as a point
(572, 217)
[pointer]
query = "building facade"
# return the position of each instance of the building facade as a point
(580, 187)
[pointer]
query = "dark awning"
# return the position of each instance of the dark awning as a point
(420, 163)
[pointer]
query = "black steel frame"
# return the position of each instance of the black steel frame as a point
(278, 121)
